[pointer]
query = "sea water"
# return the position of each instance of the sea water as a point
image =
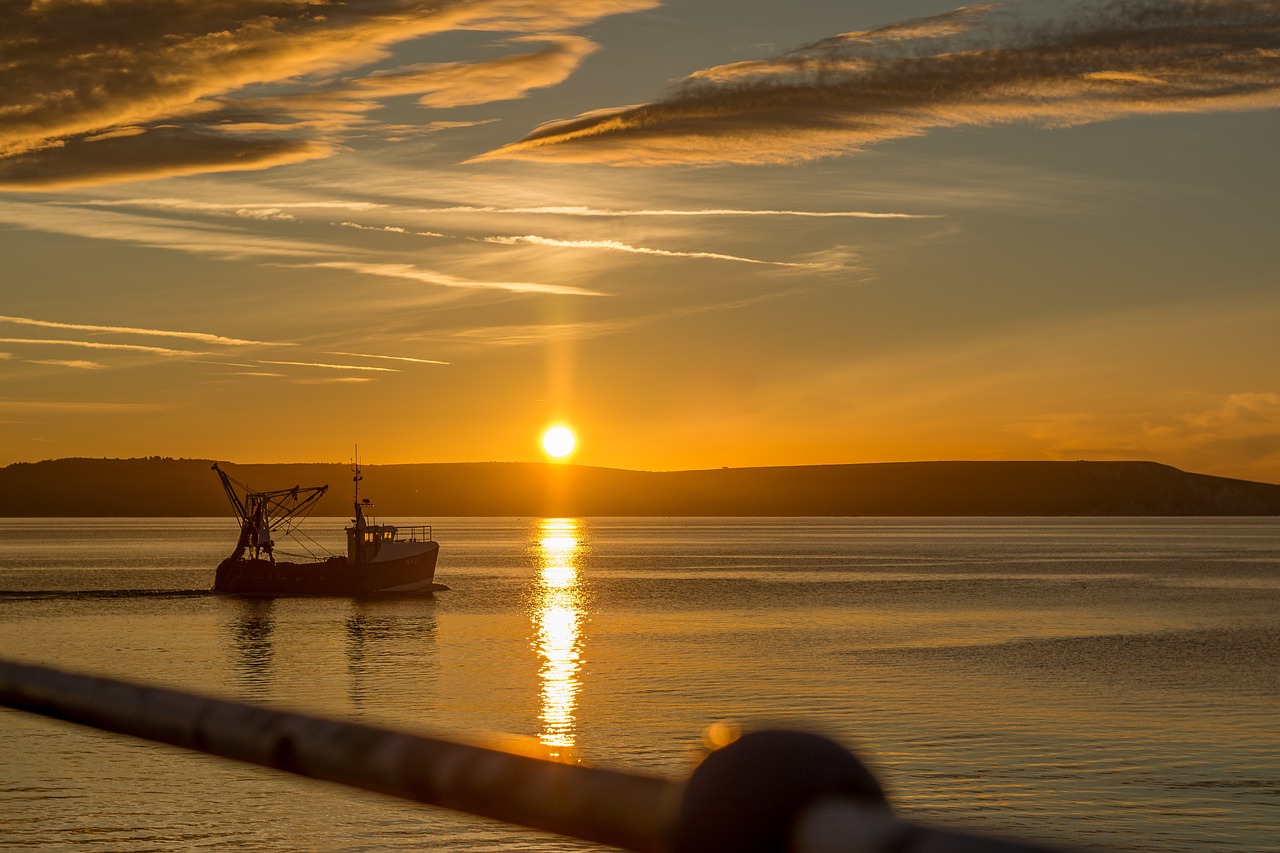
(1089, 682)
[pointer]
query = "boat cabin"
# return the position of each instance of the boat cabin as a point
(366, 539)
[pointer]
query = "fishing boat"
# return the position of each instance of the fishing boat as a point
(381, 559)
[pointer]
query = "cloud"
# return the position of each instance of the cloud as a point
(161, 152)
(101, 345)
(175, 235)
(59, 362)
(541, 333)
(414, 273)
(402, 132)
(332, 366)
(534, 334)
(971, 67)
(455, 84)
(228, 244)
(72, 407)
(390, 357)
(1234, 435)
(571, 210)
(261, 374)
(202, 337)
(615, 246)
(250, 210)
(115, 90)
(390, 229)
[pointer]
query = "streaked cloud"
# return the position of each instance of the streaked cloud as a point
(543, 333)
(101, 345)
(390, 229)
(326, 366)
(411, 272)
(59, 362)
(262, 374)
(971, 67)
(616, 246)
(1241, 411)
(405, 358)
(456, 84)
(405, 132)
(116, 90)
(1235, 434)
(229, 243)
(202, 337)
(163, 152)
(570, 210)
(251, 210)
(73, 407)
(200, 238)
(533, 334)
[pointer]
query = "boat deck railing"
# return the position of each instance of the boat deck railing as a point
(412, 533)
(766, 791)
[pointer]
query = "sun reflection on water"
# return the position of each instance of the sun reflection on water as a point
(558, 616)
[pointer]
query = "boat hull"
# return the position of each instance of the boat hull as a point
(413, 574)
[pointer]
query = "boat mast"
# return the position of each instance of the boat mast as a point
(356, 554)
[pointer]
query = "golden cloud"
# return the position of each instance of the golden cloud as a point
(971, 67)
(118, 90)
(454, 84)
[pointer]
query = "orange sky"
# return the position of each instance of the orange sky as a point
(702, 233)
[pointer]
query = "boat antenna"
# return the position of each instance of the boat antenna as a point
(356, 475)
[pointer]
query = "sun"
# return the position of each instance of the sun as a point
(558, 442)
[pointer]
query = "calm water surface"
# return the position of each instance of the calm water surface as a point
(1108, 682)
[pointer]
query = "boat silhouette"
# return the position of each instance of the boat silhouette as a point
(381, 559)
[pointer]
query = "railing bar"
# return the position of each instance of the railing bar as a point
(624, 810)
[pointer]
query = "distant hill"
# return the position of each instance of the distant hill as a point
(186, 487)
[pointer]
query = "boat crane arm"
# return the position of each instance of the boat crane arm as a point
(260, 513)
(236, 503)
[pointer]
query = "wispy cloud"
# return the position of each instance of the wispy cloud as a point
(1232, 435)
(59, 362)
(114, 90)
(332, 366)
(390, 229)
(202, 337)
(971, 67)
(571, 210)
(228, 243)
(615, 246)
(410, 272)
(262, 374)
(200, 238)
(406, 358)
(101, 345)
(250, 210)
(1243, 411)
(403, 132)
(70, 407)
(531, 334)
(162, 152)
(535, 333)
(455, 84)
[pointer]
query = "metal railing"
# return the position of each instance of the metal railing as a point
(411, 533)
(766, 791)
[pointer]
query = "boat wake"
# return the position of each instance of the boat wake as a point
(93, 594)
(107, 594)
